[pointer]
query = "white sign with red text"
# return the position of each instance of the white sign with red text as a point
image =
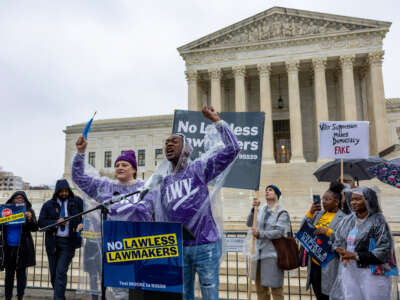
(344, 139)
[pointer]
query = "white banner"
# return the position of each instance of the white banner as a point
(344, 139)
(234, 244)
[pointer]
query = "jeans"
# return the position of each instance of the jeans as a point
(203, 259)
(11, 269)
(58, 265)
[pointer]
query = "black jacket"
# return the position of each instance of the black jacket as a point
(50, 213)
(26, 248)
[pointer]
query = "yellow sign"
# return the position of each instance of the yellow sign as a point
(90, 235)
(12, 218)
(145, 247)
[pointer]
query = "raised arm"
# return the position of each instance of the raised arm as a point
(217, 163)
(86, 183)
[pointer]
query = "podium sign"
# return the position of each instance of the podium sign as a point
(143, 256)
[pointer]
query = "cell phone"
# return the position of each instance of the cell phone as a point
(317, 199)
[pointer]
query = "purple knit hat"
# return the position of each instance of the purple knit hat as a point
(128, 156)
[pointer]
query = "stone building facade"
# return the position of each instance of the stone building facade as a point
(299, 67)
(109, 138)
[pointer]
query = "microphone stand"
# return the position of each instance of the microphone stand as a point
(104, 212)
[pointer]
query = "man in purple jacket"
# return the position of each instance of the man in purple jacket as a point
(185, 199)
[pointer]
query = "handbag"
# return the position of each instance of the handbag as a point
(287, 249)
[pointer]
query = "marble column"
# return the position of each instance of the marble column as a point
(320, 94)
(378, 103)
(296, 134)
(239, 72)
(193, 90)
(349, 91)
(264, 71)
(216, 97)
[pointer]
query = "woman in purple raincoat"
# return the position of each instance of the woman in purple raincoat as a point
(102, 189)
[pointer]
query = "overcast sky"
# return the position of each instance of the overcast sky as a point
(62, 60)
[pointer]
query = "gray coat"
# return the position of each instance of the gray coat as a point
(269, 228)
(329, 272)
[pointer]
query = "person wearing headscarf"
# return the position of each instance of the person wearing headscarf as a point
(185, 198)
(17, 251)
(102, 189)
(364, 240)
(272, 223)
(326, 222)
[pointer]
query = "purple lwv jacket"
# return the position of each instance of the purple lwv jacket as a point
(102, 189)
(184, 193)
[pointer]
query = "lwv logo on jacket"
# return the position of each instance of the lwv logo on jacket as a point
(180, 189)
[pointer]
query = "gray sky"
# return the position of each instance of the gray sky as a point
(62, 60)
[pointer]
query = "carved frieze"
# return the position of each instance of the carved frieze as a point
(280, 26)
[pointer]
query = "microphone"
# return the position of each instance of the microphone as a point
(117, 197)
(152, 183)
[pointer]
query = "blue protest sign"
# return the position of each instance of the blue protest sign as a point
(12, 214)
(318, 247)
(248, 128)
(143, 256)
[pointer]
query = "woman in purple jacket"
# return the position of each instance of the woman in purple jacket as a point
(102, 189)
(185, 198)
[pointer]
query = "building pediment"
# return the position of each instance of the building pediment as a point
(282, 24)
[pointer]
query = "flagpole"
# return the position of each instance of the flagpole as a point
(341, 170)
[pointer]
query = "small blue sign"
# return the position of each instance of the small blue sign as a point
(12, 214)
(318, 247)
(143, 256)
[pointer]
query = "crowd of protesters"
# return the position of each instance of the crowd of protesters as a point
(348, 215)
(351, 217)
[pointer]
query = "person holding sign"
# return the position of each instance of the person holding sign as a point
(103, 189)
(184, 197)
(272, 223)
(17, 251)
(366, 249)
(326, 221)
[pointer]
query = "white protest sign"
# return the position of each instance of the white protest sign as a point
(234, 244)
(344, 139)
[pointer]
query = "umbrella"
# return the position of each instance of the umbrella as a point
(387, 172)
(358, 168)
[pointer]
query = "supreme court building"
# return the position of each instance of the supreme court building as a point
(299, 67)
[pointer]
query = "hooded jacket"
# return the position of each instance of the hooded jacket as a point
(26, 249)
(184, 192)
(373, 227)
(50, 213)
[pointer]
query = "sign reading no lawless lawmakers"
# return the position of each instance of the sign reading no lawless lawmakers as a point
(248, 128)
(344, 139)
(143, 256)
